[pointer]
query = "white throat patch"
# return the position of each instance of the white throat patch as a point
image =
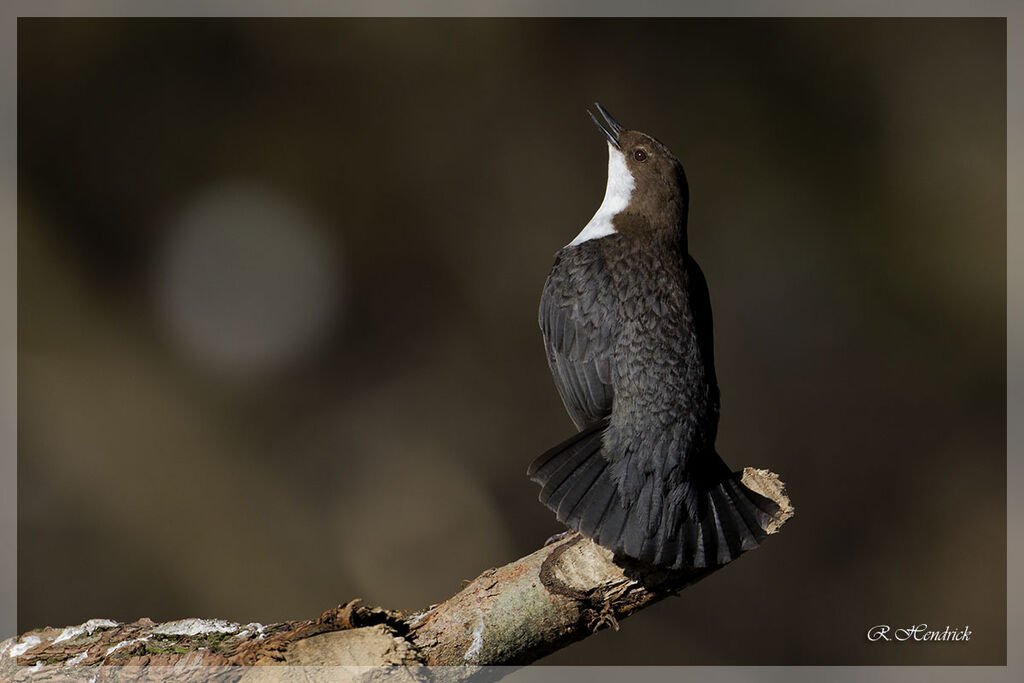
(616, 198)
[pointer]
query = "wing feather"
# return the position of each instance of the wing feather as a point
(576, 319)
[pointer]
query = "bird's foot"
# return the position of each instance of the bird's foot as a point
(605, 618)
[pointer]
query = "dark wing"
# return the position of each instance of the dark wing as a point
(577, 320)
(700, 304)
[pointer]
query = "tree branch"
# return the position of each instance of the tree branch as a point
(511, 615)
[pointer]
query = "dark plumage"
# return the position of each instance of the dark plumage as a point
(626, 321)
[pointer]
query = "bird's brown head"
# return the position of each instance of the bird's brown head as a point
(648, 180)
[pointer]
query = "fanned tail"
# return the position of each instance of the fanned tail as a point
(575, 482)
(734, 522)
(704, 521)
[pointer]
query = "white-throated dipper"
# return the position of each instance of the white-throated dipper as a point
(626, 320)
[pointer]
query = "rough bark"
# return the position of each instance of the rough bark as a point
(508, 616)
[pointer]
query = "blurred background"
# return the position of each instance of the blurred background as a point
(278, 283)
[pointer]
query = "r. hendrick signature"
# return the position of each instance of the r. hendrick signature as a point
(919, 633)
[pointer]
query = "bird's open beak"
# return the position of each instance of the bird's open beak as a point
(612, 130)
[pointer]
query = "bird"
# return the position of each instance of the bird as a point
(625, 316)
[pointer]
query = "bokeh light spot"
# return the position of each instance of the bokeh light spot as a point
(248, 280)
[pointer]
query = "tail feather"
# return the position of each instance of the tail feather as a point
(752, 518)
(707, 549)
(567, 473)
(662, 541)
(733, 529)
(589, 518)
(610, 533)
(666, 545)
(738, 517)
(574, 479)
(639, 526)
(692, 546)
(708, 519)
(583, 487)
(551, 456)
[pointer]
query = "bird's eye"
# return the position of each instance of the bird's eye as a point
(639, 154)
